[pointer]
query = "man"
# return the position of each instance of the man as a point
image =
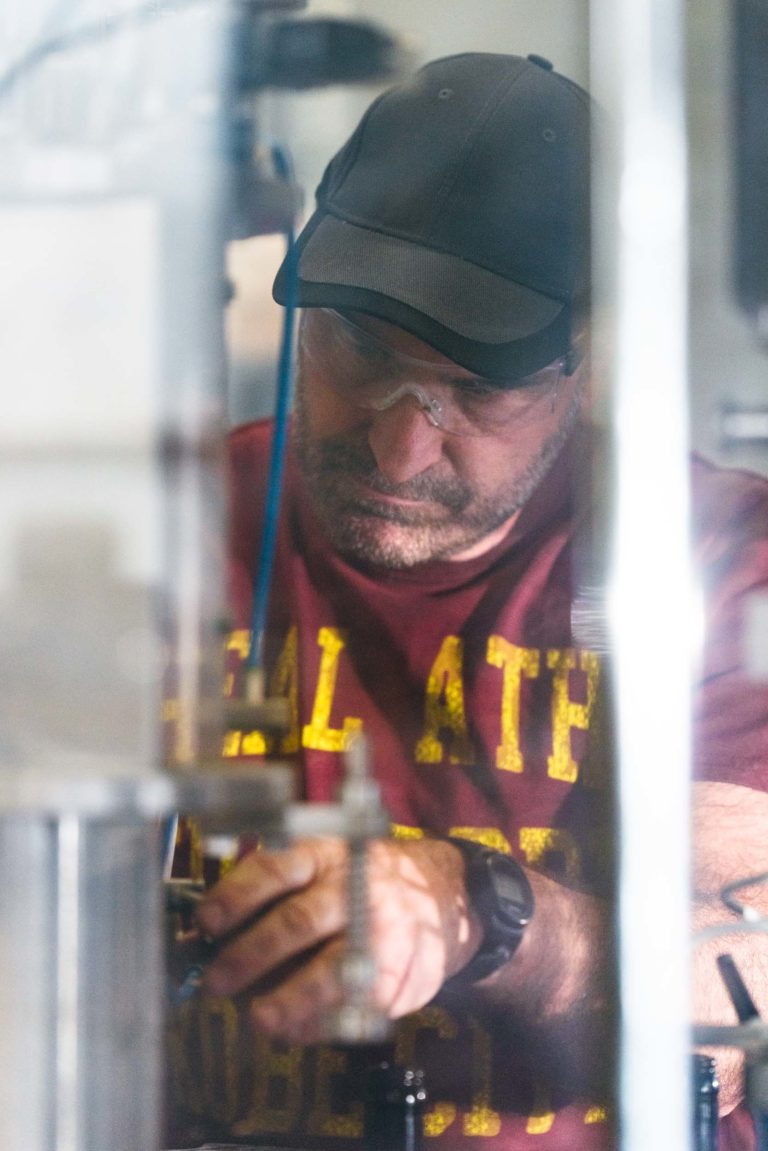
(423, 593)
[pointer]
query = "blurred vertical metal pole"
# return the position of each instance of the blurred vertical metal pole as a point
(112, 197)
(641, 230)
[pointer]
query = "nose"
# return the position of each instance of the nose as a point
(403, 441)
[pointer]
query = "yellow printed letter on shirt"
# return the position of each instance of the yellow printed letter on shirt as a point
(516, 662)
(567, 714)
(317, 734)
(444, 708)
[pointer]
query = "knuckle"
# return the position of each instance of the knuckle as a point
(299, 920)
(315, 913)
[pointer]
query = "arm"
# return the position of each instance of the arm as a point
(562, 966)
(730, 842)
(422, 929)
(424, 933)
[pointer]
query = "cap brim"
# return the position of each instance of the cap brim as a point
(477, 318)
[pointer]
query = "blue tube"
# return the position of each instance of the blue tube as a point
(168, 843)
(263, 575)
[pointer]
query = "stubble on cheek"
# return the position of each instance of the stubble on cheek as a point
(337, 474)
(447, 515)
(343, 473)
(439, 520)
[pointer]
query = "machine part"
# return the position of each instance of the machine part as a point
(80, 966)
(706, 1090)
(640, 197)
(312, 53)
(248, 800)
(738, 992)
(752, 1037)
(359, 817)
(270, 714)
(743, 425)
(81, 972)
(756, 1075)
(290, 54)
(750, 155)
(728, 896)
(237, 1147)
(395, 1100)
(358, 1020)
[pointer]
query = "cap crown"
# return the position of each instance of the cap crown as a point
(482, 156)
(459, 210)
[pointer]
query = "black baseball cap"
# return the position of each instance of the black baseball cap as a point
(459, 210)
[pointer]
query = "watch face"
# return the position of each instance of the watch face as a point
(513, 899)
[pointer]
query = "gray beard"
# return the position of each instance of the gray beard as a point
(402, 537)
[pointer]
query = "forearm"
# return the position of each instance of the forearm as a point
(711, 1003)
(563, 964)
(729, 845)
(291, 906)
(555, 997)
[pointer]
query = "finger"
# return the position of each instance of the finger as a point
(298, 1010)
(261, 878)
(291, 927)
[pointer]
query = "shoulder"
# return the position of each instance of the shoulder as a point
(248, 444)
(730, 510)
(717, 489)
(730, 536)
(247, 457)
(247, 470)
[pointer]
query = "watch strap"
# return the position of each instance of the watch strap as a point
(501, 897)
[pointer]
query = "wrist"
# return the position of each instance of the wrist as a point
(500, 905)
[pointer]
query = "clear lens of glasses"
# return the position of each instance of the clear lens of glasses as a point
(370, 374)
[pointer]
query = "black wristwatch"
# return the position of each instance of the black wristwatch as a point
(501, 897)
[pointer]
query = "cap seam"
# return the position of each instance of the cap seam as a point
(483, 116)
(357, 139)
(326, 202)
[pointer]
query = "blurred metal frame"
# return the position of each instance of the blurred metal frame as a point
(642, 259)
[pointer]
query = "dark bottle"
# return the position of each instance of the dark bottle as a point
(705, 1095)
(394, 1108)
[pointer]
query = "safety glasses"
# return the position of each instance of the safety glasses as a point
(370, 374)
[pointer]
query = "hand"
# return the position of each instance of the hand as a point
(288, 957)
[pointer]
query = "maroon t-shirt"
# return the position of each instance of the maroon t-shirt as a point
(482, 703)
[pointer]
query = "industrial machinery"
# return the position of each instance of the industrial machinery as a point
(131, 155)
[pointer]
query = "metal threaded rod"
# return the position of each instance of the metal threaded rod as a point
(358, 1020)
